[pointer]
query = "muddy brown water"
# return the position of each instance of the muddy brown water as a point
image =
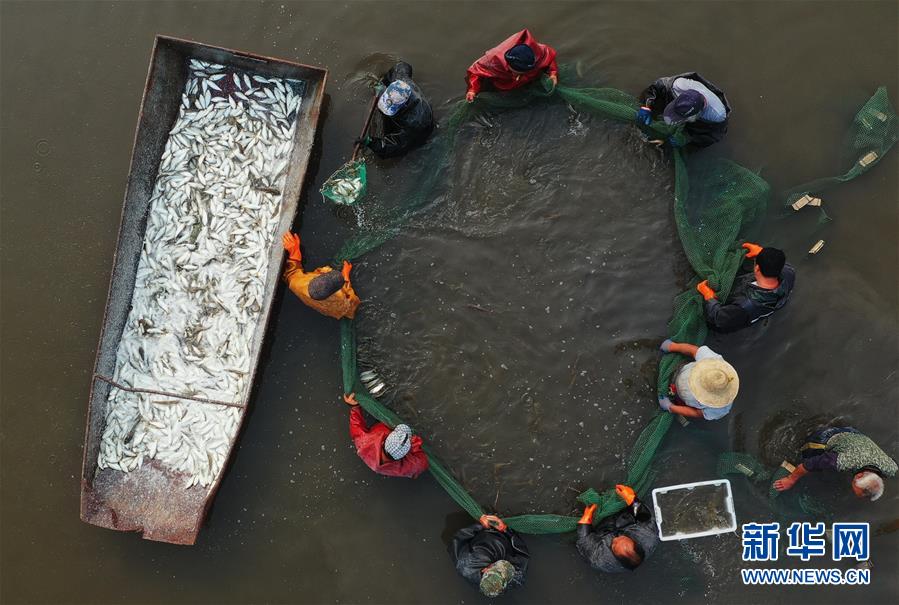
(539, 196)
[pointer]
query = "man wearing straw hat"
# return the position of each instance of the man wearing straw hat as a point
(704, 388)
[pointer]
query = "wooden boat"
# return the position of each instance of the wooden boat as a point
(152, 499)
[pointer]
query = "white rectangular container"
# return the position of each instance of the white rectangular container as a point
(729, 511)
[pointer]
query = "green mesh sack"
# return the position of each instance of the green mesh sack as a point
(739, 463)
(348, 184)
(873, 132)
(786, 505)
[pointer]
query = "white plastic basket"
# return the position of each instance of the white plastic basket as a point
(729, 511)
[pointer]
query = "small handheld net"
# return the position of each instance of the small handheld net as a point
(348, 184)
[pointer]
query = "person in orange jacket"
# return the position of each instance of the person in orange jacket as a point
(327, 291)
(516, 61)
(394, 453)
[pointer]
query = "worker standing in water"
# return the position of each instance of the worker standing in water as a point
(687, 99)
(327, 291)
(704, 388)
(516, 61)
(405, 119)
(392, 452)
(620, 542)
(755, 295)
(490, 555)
(844, 449)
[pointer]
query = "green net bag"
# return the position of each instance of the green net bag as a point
(348, 184)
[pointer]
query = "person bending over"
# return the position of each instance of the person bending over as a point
(755, 295)
(844, 449)
(327, 291)
(687, 99)
(704, 388)
(490, 555)
(405, 117)
(516, 61)
(394, 453)
(621, 542)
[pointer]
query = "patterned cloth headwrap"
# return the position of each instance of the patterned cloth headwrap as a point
(496, 577)
(398, 442)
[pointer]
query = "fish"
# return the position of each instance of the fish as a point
(213, 216)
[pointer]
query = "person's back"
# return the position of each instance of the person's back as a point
(327, 291)
(844, 449)
(392, 452)
(754, 295)
(621, 542)
(516, 61)
(404, 126)
(480, 547)
(691, 100)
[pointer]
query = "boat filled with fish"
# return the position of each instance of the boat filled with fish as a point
(220, 155)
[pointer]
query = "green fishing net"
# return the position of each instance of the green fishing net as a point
(348, 184)
(873, 132)
(717, 205)
(785, 505)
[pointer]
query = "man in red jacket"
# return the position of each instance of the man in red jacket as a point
(518, 60)
(395, 453)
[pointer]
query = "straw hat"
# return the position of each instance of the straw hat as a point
(714, 382)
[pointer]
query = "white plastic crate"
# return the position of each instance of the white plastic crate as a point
(728, 513)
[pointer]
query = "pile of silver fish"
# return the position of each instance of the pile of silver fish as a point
(346, 190)
(201, 277)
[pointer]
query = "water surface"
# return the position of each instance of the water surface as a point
(542, 196)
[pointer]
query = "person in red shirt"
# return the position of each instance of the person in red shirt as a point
(395, 453)
(518, 60)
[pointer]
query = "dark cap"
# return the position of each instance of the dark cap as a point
(521, 58)
(688, 104)
(325, 285)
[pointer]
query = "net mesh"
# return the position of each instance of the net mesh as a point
(348, 184)
(873, 132)
(717, 204)
(785, 504)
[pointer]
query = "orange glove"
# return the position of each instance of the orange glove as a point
(752, 250)
(625, 493)
(554, 78)
(350, 399)
(705, 290)
(469, 96)
(347, 267)
(291, 243)
(587, 517)
(492, 521)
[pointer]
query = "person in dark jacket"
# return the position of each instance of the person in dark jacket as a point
(845, 449)
(687, 99)
(755, 295)
(392, 452)
(405, 116)
(490, 555)
(620, 542)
